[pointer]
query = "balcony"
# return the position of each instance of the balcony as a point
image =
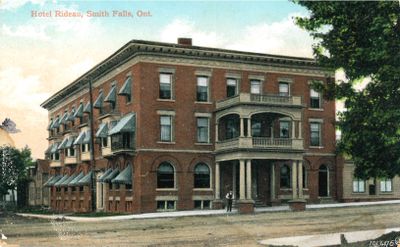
(122, 147)
(70, 160)
(55, 163)
(85, 156)
(260, 99)
(260, 143)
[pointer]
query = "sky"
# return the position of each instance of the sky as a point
(41, 55)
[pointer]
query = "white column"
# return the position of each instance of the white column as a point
(294, 179)
(105, 199)
(241, 127)
(98, 195)
(234, 180)
(272, 182)
(216, 132)
(248, 179)
(293, 129)
(272, 131)
(249, 127)
(242, 178)
(217, 183)
(300, 178)
(300, 130)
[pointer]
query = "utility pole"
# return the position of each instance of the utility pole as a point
(92, 158)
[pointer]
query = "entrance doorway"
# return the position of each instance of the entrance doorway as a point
(323, 181)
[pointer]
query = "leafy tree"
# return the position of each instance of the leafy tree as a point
(363, 39)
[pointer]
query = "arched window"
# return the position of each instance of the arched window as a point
(201, 176)
(165, 176)
(285, 176)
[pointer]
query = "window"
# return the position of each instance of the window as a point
(83, 148)
(231, 87)
(283, 89)
(386, 185)
(231, 128)
(305, 177)
(116, 186)
(283, 129)
(201, 176)
(71, 151)
(256, 128)
(166, 205)
(81, 188)
(202, 204)
(203, 130)
(255, 86)
(128, 186)
(315, 133)
(165, 86)
(166, 128)
(165, 176)
(358, 185)
(285, 177)
(202, 89)
(104, 142)
(315, 100)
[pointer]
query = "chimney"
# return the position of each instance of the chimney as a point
(185, 41)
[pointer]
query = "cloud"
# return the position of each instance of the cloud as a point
(13, 4)
(81, 67)
(26, 31)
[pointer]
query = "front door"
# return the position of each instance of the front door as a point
(323, 181)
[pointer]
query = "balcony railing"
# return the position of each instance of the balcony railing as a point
(263, 99)
(260, 143)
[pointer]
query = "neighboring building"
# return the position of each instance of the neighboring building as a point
(177, 126)
(353, 190)
(38, 194)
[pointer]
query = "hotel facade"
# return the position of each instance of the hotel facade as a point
(177, 126)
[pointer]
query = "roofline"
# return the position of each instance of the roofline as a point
(125, 52)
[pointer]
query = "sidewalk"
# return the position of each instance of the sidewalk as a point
(329, 239)
(200, 212)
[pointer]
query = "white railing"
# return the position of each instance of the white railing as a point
(259, 142)
(268, 99)
(271, 142)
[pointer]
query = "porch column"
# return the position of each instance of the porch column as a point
(272, 131)
(300, 130)
(217, 183)
(248, 179)
(293, 129)
(98, 195)
(241, 127)
(216, 132)
(234, 180)
(242, 178)
(249, 127)
(294, 179)
(300, 178)
(272, 182)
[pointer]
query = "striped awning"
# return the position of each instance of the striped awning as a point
(87, 108)
(48, 150)
(79, 111)
(68, 180)
(111, 176)
(102, 131)
(86, 180)
(112, 95)
(126, 88)
(126, 124)
(64, 118)
(63, 143)
(106, 173)
(74, 182)
(52, 180)
(71, 116)
(125, 177)
(87, 138)
(50, 124)
(58, 183)
(54, 148)
(99, 101)
(80, 138)
(70, 142)
(56, 123)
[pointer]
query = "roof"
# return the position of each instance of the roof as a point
(136, 48)
(87, 179)
(125, 124)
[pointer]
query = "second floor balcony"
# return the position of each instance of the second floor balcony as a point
(260, 99)
(260, 143)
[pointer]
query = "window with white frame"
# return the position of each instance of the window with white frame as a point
(166, 205)
(358, 185)
(202, 204)
(315, 99)
(201, 176)
(165, 86)
(283, 89)
(203, 130)
(202, 89)
(231, 87)
(386, 185)
(305, 177)
(285, 175)
(166, 128)
(255, 86)
(315, 134)
(165, 176)
(283, 129)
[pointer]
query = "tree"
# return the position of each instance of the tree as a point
(363, 39)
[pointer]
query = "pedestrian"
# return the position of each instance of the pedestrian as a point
(229, 198)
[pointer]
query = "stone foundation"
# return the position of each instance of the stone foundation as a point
(218, 204)
(246, 206)
(297, 205)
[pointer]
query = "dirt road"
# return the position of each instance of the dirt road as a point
(228, 230)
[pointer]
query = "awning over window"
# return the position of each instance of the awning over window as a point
(86, 109)
(52, 180)
(64, 118)
(112, 95)
(70, 142)
(126, 88)
(126, 124)
(56, 123)
(54, 148)
(80, 138)
(58, 183)
(79, 111)
(99, 101)
(63, 143)
(125, 177)
(87, 138)
(103, 130)
(68, 180)
(71, 116)
(50, 124)
(106, 173)
(111, 176)
(86, 180)
(74, 182)
(48, 150)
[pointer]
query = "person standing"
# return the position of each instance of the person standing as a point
(229, 198)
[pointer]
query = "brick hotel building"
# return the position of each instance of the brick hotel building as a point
(177, 126)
